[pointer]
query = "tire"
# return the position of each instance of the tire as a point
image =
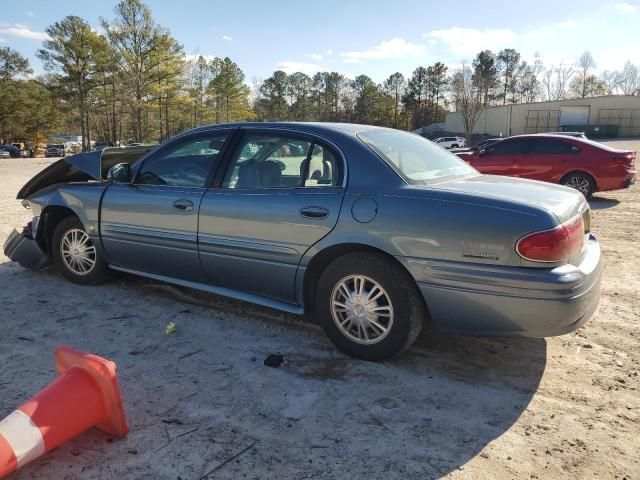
(580, 181)
(455, 145)
(71, 229)
(399, 309)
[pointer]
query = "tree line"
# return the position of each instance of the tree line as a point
(134, 82)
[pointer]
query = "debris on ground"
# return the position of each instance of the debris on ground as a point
(274, 360)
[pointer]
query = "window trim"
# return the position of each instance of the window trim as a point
(139, 164)
(312, 138)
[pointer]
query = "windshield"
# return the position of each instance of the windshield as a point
(415, 158)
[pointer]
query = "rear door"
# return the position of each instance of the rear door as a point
(547, 159)
(280, 193)
(502, 158)
(151, 225)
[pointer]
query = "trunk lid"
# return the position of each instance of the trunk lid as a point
(565, 203)
(83, 167)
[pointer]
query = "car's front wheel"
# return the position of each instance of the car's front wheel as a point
(369, 306)
(75, 255)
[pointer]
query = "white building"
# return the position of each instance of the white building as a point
(607, 114)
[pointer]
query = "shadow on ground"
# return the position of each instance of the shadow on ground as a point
(201, 404)
(601, 203)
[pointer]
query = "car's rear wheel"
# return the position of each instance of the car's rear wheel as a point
(581, 182)
(368, 306)
(75, 256)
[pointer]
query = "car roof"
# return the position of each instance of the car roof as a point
(310, 127)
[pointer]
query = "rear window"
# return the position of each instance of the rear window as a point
(415, 158)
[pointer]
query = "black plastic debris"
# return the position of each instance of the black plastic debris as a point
(274, 360)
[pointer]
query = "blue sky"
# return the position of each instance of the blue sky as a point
(372, 37)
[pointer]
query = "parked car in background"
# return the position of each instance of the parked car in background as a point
(4, 154)
(477, 146)
(370, 230)
(23, 149)
(55, 150)
(450, 142)
(13, 151)
(103, 145)
(582, 164)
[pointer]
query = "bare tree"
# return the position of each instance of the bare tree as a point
(629, 79)
(467, 97)
(585, 64)
(611, 81)
(555, 80)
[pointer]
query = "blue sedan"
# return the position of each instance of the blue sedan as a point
(371, 231)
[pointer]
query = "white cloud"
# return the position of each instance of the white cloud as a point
(568, 24)
(31, 14)
(22, 31)
(227, 38)
(469, 41)
(291, 67)
(387, 49)
(625, 7)
(320, 56)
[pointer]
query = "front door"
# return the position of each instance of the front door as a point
(280, 194)
(151, 225)
(502, 158)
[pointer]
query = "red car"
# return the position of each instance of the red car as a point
(579, 163)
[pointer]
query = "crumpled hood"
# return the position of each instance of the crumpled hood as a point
(82, 167)
(564, 202)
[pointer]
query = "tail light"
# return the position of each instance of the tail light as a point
(625, 159)
(553, 245)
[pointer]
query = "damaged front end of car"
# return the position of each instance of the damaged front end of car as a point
(22, 248)
(72, 185)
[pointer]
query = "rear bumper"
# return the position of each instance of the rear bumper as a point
(485, 300)
(20, 247)
(620, 183)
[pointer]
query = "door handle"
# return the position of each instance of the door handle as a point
(184, 205)
(314, 212)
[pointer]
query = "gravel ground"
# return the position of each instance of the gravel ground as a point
(201, 404)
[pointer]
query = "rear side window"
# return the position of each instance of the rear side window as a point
(265, 161)
(544, 146)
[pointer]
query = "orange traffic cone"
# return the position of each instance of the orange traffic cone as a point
(86, 394)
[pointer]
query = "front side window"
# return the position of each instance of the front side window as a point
(279, 161)
(509, 147)
(185, 162)
(416, 159)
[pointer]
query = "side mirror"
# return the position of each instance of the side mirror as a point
(120, 173)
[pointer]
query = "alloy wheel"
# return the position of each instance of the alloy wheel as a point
(361, 309)
(579, 183)
(77, 251)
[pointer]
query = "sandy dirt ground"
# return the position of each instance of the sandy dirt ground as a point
(201, 404)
